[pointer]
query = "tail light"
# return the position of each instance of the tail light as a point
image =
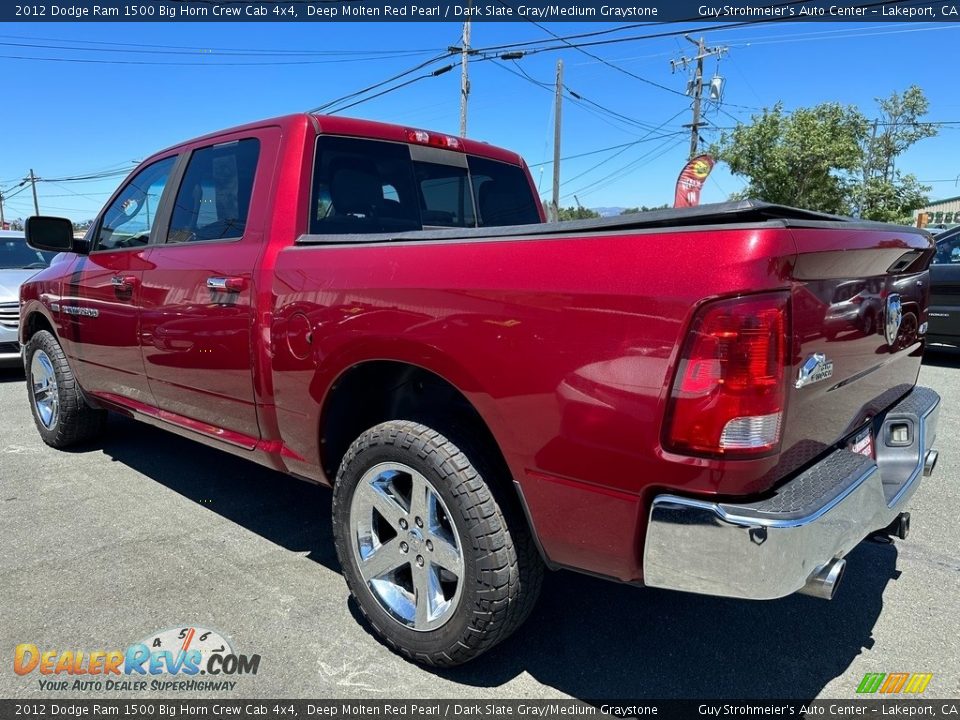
(729, 393)
(422, 137)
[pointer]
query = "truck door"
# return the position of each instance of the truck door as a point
(198, 315)
(944, 312)
(99, 308)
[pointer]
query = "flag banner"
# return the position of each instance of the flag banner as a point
(691, 180)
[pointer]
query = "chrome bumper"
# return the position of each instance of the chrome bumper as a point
(9, 347)
(772, 548)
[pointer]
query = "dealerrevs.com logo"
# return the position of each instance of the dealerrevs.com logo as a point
(176, 659)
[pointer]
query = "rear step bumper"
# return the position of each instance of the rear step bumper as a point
(794, 541)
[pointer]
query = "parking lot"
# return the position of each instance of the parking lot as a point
(108, 544)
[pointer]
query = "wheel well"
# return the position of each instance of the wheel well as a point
(36, 322)
(377, 391)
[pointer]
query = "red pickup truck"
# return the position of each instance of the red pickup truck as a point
(679, 398)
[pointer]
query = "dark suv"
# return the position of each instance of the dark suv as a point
(944, 310)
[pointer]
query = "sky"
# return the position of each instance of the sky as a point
(130, 89)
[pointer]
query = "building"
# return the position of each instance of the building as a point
(942, 213)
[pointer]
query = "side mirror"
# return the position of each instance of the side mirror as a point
(50, 233)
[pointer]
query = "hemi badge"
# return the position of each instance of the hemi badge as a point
(815, 369)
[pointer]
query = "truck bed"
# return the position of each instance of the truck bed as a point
(726, 215)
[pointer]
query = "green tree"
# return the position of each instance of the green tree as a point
(831, 158)
(885, 193)
(577, 213)
(806, 158)
(643, 208)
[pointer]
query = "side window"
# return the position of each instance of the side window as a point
(948, 251)
(503, 194)
(362, 186)
(130, 217)
(445, 195)
(214, 197)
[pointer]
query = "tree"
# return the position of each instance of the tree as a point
(831, 158)
(806, 158)
(577, 213)
(887, 194)
(643, 208)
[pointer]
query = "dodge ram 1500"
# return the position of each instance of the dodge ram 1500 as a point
(680, 398)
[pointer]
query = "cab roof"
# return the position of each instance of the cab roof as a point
(355, 127)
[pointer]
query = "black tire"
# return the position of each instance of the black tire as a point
(502, 571)
(74, 421)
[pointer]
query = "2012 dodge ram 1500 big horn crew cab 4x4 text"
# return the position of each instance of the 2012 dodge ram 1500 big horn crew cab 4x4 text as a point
(654, 398)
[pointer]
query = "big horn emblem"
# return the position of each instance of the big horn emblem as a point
(893, 319)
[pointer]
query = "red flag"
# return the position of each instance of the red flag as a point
(691, 180)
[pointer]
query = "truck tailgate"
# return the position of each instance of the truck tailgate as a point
(860, 300)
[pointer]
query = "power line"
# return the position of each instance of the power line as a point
(350, 96)
(596, 57)
(645, 138)
(674, 33)
(578, 99)
(411, 81)
(188, 49)
(644, 159)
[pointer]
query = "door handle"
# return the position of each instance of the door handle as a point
(123, 282)
(226, 284)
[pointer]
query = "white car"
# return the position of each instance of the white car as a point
(18, 263)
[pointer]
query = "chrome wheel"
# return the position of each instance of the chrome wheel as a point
(43, 381)
(405, 546)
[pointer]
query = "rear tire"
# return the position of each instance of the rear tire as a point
(60, 411)
(427, 551)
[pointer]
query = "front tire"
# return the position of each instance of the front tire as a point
(60, 412)
(425, 547)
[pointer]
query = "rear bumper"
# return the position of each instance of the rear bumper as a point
(772, 548)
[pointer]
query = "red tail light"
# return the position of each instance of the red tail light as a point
(422, 137)
(729, 393)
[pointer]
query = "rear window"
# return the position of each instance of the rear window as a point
(371, 186)
(362, 186)
(502, 193)
(445, 197)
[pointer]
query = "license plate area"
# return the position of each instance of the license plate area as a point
(862, 443)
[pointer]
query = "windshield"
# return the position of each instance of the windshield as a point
(15, 253)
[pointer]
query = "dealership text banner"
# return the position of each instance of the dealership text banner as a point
(473, 709)
(314, 11)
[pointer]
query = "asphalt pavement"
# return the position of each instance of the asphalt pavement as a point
(108, 544)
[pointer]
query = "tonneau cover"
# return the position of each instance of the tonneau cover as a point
(727, 213)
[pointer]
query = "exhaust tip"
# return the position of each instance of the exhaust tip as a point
(930, 462)
(824, 582)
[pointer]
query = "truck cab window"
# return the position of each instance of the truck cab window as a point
(362, 186)
(445, 197)
(128, 220)
(502, 192)
(214, 197)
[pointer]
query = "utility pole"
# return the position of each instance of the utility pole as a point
(696, 88)
(3, 222)
(867, 169)
(464, 78)
(33, 184)
(557, 107)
